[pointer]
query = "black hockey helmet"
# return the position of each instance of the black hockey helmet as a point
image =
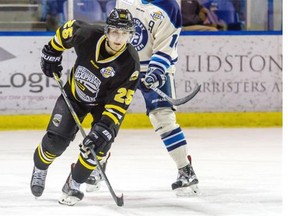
(120, 18)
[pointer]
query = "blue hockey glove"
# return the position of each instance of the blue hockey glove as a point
(155, 77)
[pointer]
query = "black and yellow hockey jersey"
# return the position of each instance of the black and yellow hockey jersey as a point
(97, 77)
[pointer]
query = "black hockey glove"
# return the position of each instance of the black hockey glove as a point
(99, 138)
(155, 77)
(51, 61)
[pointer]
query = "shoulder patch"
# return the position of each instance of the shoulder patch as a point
(157, 16)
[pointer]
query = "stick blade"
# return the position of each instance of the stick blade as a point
(120, 200)
(187, 98)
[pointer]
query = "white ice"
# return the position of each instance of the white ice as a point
(239, 172)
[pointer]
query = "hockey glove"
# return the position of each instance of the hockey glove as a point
(99, 138)
(155, 77)
(51, 61)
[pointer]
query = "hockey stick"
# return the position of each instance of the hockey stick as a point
(178, 101)
(118, 200)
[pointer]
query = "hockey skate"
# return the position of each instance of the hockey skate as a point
(71, 191)
(187, 181)
(37, 183)
(95, 179)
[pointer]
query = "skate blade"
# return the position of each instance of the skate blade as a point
(68, 200)
(189, 191)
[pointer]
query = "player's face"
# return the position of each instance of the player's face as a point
(117, 38)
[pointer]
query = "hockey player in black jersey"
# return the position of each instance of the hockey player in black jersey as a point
(102, 82)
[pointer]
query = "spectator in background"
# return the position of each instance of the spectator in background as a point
(225, 10)
(196, 17)
(92, 11)
(109, 6)
(52, 13)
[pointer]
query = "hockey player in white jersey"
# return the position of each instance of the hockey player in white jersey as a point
(158, 25)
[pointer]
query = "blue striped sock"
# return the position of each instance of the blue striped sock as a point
(174, 139)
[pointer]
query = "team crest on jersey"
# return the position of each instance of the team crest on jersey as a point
(140, 38)
(86, 84)
(107, 72)
(157, 16)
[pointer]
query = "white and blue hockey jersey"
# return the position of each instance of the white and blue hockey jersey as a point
(158, 26)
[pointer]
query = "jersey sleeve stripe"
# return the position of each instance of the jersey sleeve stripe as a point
(164, 56)
(110, 115)
(58, 39)
(56, 46)
(111, 106)
(160, 60)
(157, 64)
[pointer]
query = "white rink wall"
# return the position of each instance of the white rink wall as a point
(238, 73)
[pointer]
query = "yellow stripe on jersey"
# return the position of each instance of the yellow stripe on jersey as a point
(99, 158)
(85, 164)
(58, 38)
(56, 46)
(98, 46)
(111, 106)
(72, 84)
(110, 115)
(94, 64)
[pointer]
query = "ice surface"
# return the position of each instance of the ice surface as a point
(239, 172)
